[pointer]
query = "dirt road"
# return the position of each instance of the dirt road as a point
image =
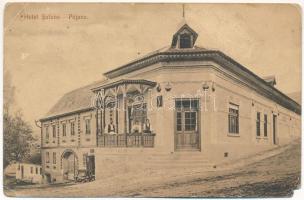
(276, 176)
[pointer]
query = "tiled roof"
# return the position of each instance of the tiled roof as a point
(166, 49)
(75, 100)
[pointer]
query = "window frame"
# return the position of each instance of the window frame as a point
(182, 109)
(54, 158)
(64, 130)
(54, 130)
(258, 124)
(179, 126)
(265, 125)
(185, 41)
(87, 126)
(190, 124)
(47, 157)
(72, 128)
(47, 134)
(233, 119)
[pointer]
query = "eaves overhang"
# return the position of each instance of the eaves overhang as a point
(59, 115)
(125, 81)
(262, 87)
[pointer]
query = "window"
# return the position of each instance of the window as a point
(186, 114)
(185, 41)
(233, 119)
(87, 126)
(36, 170)
(190, 121)
(179, 121)
(258, 120)
(63, 129)
(47, 136)
(40, 170)
(184, 104)
(159, 101)
(54, 157)
(72, 128)
(265, 125)
(54, 131)
(32, 170)
(47, 157)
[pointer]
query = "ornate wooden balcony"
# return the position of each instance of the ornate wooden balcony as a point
(124, 140)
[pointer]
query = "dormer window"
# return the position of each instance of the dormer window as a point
(184, 38)
(185, 41)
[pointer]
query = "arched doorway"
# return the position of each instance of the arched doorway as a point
(69, 161)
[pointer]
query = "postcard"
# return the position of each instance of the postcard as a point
(152, 100)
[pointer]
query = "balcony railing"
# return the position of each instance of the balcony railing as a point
(123, 140)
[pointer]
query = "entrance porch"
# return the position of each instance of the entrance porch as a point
(122, 118)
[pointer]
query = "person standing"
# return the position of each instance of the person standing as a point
(111, 127)
(147, 127)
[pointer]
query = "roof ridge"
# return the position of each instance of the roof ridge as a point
(165, 49)
(141, 57)
(61, 103)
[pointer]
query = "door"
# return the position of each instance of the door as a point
(91, 165)
(69, 165)
(137, 117)
(187, 135)
(274, 129)
(71, 162)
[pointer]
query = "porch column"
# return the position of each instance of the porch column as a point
(101, 107)
(116, 110)
(102, 112)
(125, 100)
(104, 115)
(97, 127)
(142, 94)
(101, 121)
(125, 113)
(97, 117)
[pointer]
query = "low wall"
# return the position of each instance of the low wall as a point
(115, 161)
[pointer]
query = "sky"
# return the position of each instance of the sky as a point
(50, 57)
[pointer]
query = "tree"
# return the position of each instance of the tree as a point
(17, 139)
(35, 158)
(17, 134)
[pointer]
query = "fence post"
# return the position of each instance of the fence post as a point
(142, 139)
(126, 138)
